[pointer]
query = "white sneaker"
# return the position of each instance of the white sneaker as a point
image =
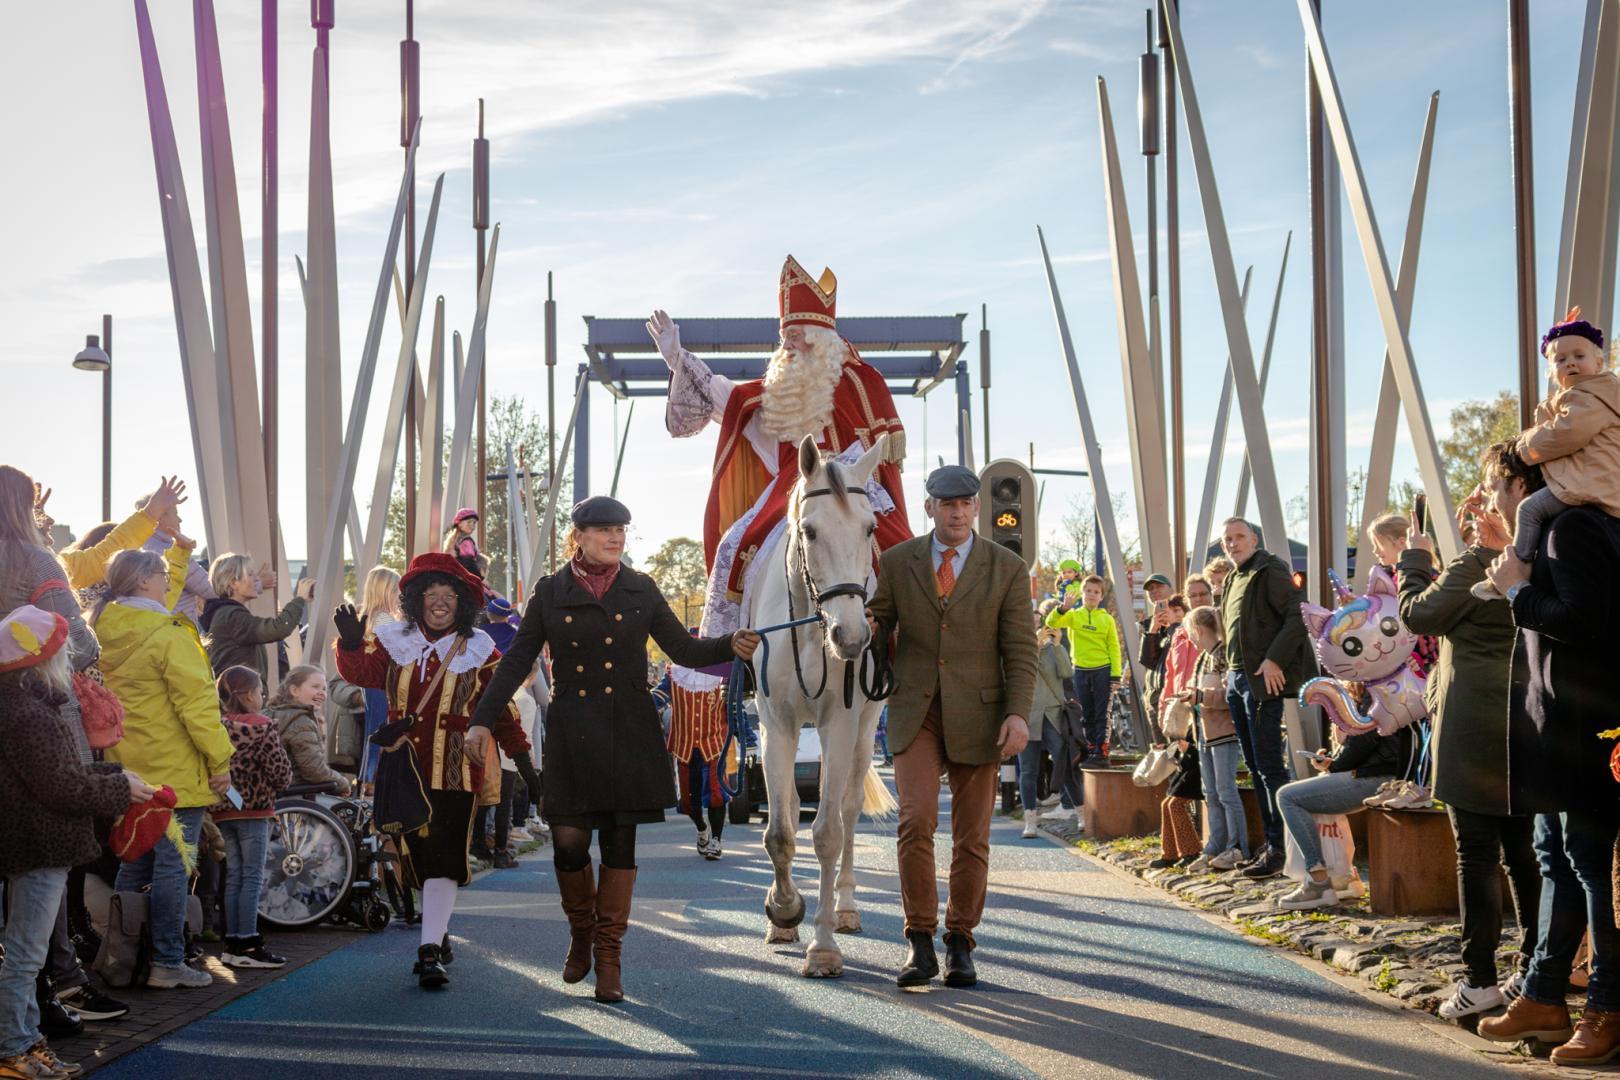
(1415, 797)
(711, 850)
(1389, 789)
(1310, 895)
(1513, 989)
(1202, 865)
(1031, 819)
(1051, 800)
(1466, 1000)
(1062, 813)
(703, 838)
(167, 978)
(1226, 860)
(519, 833)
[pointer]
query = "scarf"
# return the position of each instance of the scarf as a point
(596, 578)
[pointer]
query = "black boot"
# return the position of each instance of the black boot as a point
(447, 955)
(56, 1021)
(429, 969)
(959, 960)
(921, 962)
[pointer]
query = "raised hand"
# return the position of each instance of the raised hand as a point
(666, 334)
(351, 626)
(305, 589)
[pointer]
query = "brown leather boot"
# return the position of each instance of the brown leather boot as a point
(1526, 1019)
(578, 889)
(1596, 1040)
(614, 889)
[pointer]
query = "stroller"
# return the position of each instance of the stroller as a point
(325, 862)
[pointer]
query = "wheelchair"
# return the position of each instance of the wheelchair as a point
(325, 863)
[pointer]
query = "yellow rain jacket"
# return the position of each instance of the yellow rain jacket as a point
(89, 566)
(172, 730)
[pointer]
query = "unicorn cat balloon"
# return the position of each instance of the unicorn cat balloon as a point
(1363, 640)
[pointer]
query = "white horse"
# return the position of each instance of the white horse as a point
(822, 564)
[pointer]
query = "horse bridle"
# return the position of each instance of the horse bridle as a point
(880, 683)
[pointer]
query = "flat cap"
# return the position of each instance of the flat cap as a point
(952, 482)
(600, 510)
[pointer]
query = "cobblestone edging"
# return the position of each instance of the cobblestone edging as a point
(1413, 959)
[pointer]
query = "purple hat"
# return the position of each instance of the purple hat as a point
(1573, 326)
(463, 514)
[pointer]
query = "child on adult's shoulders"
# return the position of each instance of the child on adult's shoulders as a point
(1575, 440)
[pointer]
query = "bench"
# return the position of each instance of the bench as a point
(1116, 807)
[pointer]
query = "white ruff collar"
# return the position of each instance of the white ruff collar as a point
(407, 645)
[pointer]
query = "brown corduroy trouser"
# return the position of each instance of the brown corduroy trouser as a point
(917, 770)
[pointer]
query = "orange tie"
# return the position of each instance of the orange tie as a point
(945, 576)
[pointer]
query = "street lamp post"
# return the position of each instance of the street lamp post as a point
(97, 356)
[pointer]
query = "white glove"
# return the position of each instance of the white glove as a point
(666, 334)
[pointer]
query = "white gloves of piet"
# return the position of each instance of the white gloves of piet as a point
(666, 334)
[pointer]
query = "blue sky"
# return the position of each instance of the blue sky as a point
(660, 155)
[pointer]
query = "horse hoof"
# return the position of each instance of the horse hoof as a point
(847, 922)
(790, 917)
(778, 935)
(823, 964)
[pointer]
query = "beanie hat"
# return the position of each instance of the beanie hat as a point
(30, 636)
(144, 824)
(1572, 326)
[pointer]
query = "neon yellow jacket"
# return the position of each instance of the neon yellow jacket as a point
(87, 567)
(1093, 640)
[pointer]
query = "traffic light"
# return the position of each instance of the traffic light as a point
(1007, 510)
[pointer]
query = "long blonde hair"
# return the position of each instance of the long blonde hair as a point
(381, 593)
(124, 575)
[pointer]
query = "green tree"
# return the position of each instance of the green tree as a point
(1475, 425)
(677, 566)
(510, 424)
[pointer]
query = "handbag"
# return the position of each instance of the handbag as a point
(99, 709)
(1155, 768)
(125, 956)
(1178, 719)
(401, 803)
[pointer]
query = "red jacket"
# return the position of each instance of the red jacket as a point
(1180, 656)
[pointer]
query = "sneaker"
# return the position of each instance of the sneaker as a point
(1513, 989)
(1201, 864)
(1051, 800)
(250, 953)
(1163, 863)
(26, 1066)
(1387, 790)
(1062, 813)
(703, 837)
(1467, 999)
(91, 1005)
(42, 1053)
(1484, 590)
(1227, 860)
(1268, 867)
(1309, 895)
(1415, 797)
(520, 834)
(1031, 820)
(1188, 860)
(167, 978)
(711, 850)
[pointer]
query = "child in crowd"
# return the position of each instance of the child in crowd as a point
(1094, 647)
(298, 712)
(1575, 440)
(459, 540)
(1228, 843)
(260, 771)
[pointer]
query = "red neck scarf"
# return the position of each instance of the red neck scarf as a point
(595, 577)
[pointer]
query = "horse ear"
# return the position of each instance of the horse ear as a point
(809, 457)
(1315, 618)
(861, 472)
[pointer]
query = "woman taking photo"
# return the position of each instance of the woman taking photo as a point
(234, 634)
(607, 769)
(172, 736)
(434, 666)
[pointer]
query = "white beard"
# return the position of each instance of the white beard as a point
(797, 399)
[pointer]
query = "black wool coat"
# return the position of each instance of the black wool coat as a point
(1566, 617)
(48, 801)
(604, 748)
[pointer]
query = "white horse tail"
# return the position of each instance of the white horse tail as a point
(876, 802)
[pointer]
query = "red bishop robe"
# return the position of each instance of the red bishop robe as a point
(863, 410)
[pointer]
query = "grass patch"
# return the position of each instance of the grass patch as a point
(1090, 847)
(1265, 933)
(1135, 845)
(1385, 980)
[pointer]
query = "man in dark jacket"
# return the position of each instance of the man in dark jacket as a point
(1566, 604)
(1269, 656)
(1154, 633)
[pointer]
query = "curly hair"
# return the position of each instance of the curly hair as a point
(467, 605)
(1502, 462)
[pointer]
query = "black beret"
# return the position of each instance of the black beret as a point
(600, 510)
(952, 482)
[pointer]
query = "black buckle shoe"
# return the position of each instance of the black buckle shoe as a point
(922, 964)
(447, 955)
(959, 970)
(429, 969)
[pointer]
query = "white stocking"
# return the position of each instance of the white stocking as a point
(438, 901)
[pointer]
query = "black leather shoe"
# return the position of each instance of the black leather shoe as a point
(447, 955)
(1268, 867)
(922, 964)
(57, 1021)
(429, 969)
(959, 961)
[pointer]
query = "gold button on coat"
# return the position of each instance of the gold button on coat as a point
(608, 665)
(582, 693)
(607, 641)
(607, 690)
(580, 668)
(568, 618)
(618, 618)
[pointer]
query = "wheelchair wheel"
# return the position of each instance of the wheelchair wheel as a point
(309, 864)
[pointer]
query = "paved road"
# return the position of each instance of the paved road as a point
(1083, 974)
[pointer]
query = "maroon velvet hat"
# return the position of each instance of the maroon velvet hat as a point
(439, 562)
(1573, 326)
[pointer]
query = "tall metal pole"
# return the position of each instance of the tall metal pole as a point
(984, 372)
(1172, 269)
(551, 406)
(480, 224)
(268, 298)
(1524, 205)
(1322, 538)
(1147, 113)
(410, 88)
(106, 420)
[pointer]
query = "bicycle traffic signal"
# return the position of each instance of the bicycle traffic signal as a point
(1007, 508)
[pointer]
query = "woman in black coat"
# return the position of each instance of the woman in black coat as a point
(604, 764)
